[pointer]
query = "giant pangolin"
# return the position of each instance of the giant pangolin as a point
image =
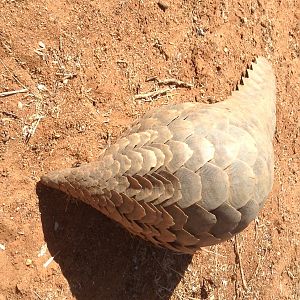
(187, 175)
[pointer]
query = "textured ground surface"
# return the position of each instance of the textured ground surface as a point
(82, 62)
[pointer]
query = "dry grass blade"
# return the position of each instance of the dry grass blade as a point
(239, 260)
(29, 131)
(50, 260)
(37, 295)
(213, 252)
(13, 75)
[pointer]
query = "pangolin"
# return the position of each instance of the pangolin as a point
(187, 175)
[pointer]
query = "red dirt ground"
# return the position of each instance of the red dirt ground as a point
(82, 63)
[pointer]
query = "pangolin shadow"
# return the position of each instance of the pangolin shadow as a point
(99, 259)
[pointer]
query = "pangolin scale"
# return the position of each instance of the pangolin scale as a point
(187, 175)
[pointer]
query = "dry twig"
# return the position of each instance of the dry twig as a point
(66, 75)
(10, 93)
(9, 114)
(175, 82)
(151, 95)
(171, 82)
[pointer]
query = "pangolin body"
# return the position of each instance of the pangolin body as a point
(187, 175)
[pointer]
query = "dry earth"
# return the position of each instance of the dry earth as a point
(82, 62)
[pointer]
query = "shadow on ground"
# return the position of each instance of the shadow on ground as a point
(101, 260)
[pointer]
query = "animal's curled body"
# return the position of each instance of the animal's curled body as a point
(187, 175)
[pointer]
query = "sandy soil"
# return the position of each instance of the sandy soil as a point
(82, 62)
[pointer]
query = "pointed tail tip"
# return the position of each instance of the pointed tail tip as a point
(56, 179)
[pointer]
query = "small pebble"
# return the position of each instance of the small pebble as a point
(190, 268)
(42, 45)
(5, 138)
(20, 105)
(43, 250)
(200, 31)
(41, 87)
(162, 5)
(244, 20)
(28, 262)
